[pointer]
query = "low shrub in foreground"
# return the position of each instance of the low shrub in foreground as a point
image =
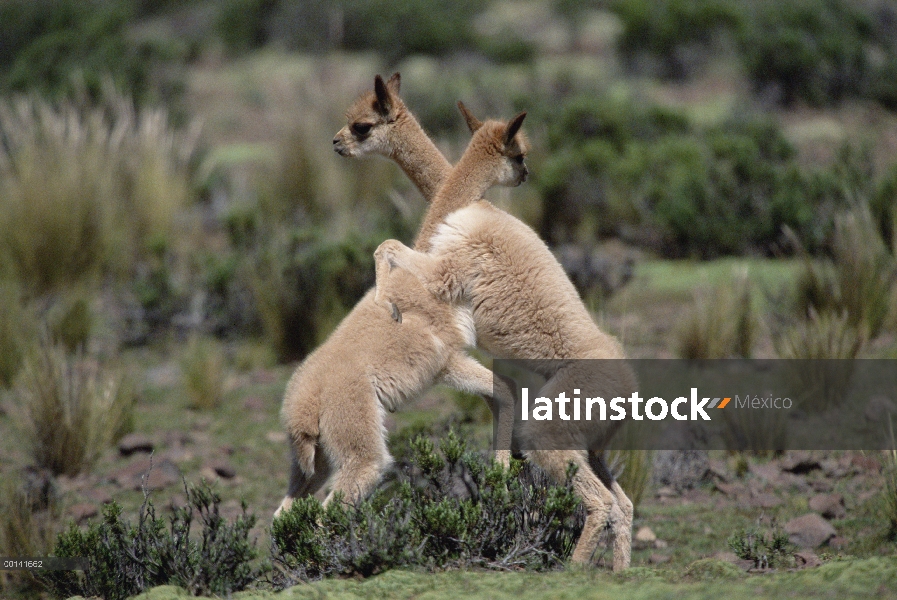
(457, 509)
(127, 558)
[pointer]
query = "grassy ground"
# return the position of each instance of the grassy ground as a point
(866, 578)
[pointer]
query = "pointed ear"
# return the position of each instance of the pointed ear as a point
(513, 127)
(384, 99)
(472, 122)
(394, 83)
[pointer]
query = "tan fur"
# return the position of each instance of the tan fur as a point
(524, 307)
(333, 404)
(379, 123)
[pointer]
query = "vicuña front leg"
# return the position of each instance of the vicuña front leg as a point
(382, 268)
(435, 273)
(465, 373)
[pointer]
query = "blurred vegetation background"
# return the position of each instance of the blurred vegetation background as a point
(719, 178)
(166, 166)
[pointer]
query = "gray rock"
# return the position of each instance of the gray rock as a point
(809, 531)
(133, 443)
(830, 506)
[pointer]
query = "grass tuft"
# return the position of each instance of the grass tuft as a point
(203, 368)
(31, 520)
(69, 409)
(720, 324)
(82, 190)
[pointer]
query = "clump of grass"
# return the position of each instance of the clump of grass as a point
(71, 321)
(720, 324)
(69, 408)
(17, 327)
(819, 383)
(858, 281)
(83, 188)
(757, 432)
(28, 528)
(203, 370)
(631, 468)
(768, 547)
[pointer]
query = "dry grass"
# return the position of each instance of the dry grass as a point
(756, 432)
(28, 528)
(859, 280)
(720, 324)
(17, 326)
(203, 370)
(69, 409)
(819, 382)
(82, 190)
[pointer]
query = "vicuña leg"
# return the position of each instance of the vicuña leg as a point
(301, 484)
(465, 373)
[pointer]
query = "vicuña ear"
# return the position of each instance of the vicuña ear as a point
(472, 122)
(394, 83)
(513, 127)
(384, 99)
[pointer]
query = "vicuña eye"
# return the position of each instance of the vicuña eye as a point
(519, 159)
(361, 128)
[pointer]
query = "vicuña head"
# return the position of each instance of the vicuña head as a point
(370, 119)
(496, 145)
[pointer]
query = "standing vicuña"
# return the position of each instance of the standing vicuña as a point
(524, 305)
(377, 359)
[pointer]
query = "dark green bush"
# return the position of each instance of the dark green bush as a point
(62, 47)
(678, 34)
(455, 509)
(815, 51)
(646, 174)
(126, 558)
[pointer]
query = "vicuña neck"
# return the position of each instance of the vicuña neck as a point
(466, 184)
(419, 157)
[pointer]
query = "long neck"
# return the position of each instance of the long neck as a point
(419, 157)
(465, 185)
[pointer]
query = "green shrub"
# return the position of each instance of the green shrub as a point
(679, 35)
(457, 509)
(815, 51)
(69, 409)
(767, 547)
(648, 175)
(61, 48)
(125, 559)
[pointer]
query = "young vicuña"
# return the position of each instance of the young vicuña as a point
(375, 360)
(524, 305)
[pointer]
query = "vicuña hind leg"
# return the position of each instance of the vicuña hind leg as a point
(621, 515)
(598, 501)
(302, 484)
(465, 373)
(356, 478)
